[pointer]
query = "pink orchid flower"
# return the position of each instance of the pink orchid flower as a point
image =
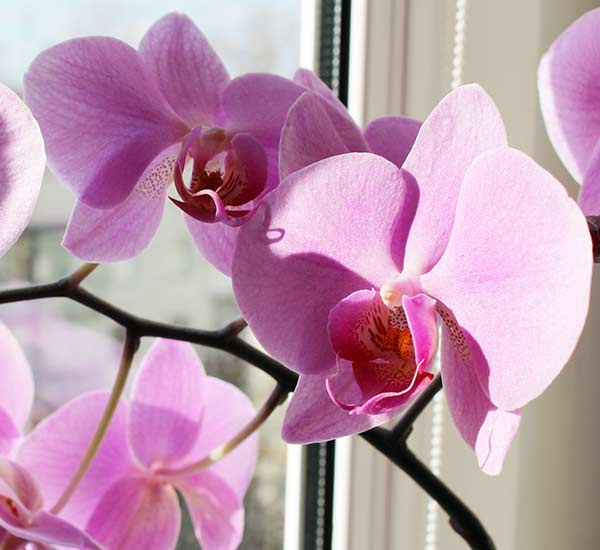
(23, 519)
(568, 88)
(177, 416)
(120, 123)
(355, 261)
(22, 515)
(22, 163)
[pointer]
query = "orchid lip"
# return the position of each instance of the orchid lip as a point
(369, 406)
(11, 506)
(228, 174)
(385, 349)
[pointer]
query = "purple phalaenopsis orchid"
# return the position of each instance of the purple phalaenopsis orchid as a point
(354, 263)
(22, 162)
(568, 87)
(120, 123)
(177, 416)
(23, 517)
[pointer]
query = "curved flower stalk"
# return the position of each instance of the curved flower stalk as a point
(22, 163)
(177, 415)
(354, 263)
(567, 82)
(120, 123)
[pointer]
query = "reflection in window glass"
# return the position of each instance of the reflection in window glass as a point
(72, 350)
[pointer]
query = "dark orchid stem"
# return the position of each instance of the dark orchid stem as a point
(391, 443)
(594, 227)
(224, 339)
(462, 519)
(130, 347)
(404, 426)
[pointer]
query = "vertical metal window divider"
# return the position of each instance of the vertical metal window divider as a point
(319, 458)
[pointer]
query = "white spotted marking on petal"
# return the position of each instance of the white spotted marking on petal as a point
(157, 178)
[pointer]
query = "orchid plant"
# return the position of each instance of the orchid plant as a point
(356, 258)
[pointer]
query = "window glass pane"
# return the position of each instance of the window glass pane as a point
(72, 350)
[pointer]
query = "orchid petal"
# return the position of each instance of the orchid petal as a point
(258, 104)
(463, 125)
(486, 428)
(589, 195)
(122, 232)
(374, 345)
(293, 264)
(190, 74)
(346, 127)
(102, 115)
(13, 514)
(217, 512)
(230, 194)
(312, 416)
(136, 513)
(308, 136)
(9, 434)
(392, 137)
(358, 326)
(245, 171)
(569, 94)
(211, 210)
(421, 318)
(22, 163)
(516, 274)
(18, 484)
(226, 412)
(216, 242)
(313, 83)
(49, 529)
(166, 403)
(384, 386)
(16, 379)
(53, 451)
(352, 320)
(22, 516)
